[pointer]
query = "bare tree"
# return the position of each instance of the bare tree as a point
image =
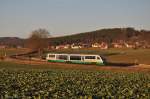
(38, 40)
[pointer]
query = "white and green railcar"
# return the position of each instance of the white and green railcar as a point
(75, 58)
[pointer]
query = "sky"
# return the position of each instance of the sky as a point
(18, 18)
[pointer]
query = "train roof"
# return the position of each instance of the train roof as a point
(75, 54)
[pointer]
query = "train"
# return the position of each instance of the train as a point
(76, 58)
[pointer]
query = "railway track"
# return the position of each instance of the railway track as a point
(22, 59)
(27, 57)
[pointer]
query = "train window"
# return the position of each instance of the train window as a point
(75, 57)
(98, 58)
(62, 57)
(51, 56)
(89, 57)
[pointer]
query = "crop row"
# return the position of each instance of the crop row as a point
(73, 84)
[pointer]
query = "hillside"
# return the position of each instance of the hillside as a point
(105, 35)
(11, 41)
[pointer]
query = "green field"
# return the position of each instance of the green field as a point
(141, 56)
(39, 82)
(24, 81)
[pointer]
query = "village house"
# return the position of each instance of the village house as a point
(96, 45)
(85, 45)
(3, 46)
(75, 46)
(102, 45)
(147, 46)
(117, 45)
(19, 47)
(129, 45)
(51, 47)
(60, 47)
(141, 44)
(67, 46)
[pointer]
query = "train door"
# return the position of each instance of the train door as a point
(82, 58)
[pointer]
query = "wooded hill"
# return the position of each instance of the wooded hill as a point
(12, 41)
(104, 35)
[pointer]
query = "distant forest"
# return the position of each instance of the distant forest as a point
(104, 35)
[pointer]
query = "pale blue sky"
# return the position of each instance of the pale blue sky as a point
(65, 17)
